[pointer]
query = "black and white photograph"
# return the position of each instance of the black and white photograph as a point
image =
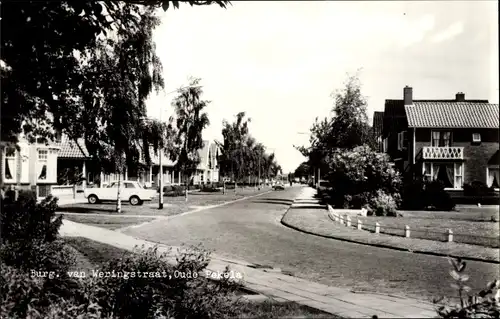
(249, 159)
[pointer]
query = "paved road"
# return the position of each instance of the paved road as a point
(251, 230)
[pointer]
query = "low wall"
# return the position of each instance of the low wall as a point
(62, 190)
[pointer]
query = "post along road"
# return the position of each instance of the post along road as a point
(250, 230)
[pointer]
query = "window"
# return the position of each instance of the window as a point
(450, 174)
(427, 171)
(459, 176)
(441, 138)
(42, 164)
(113, 185)
(476, 137)
(129, 185)
(42, 155)
(493, 179)
(10, 163)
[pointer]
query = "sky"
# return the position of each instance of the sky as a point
(279, 61)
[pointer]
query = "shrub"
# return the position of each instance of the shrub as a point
(210, 189)
(485, 304)
(360, 173)
(178, 297)
(478, 190)
(419, 195)
(27, 220)
(436, 197)
(383, 205)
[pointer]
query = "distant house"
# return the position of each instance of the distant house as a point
(455, 141)
(208, 168)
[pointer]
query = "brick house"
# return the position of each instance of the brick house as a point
(455, 141)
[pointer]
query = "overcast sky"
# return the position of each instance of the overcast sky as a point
(280, 61)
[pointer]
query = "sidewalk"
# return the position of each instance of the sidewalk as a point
(279, 286)
(309, 219)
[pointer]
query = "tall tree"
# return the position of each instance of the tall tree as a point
(191, 121)
(126, 71)
(51, 74)
(348, 128)
(232, 157)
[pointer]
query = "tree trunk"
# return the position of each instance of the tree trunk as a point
(18, 173)
(188, 180)
(118, 199)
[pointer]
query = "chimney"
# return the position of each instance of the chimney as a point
(408, 95)
(460, 97)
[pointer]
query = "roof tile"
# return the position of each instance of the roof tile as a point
(453, 115)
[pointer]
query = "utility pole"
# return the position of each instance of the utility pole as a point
(260, 155)
(160, 182)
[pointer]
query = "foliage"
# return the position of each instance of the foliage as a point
(242, 156)
(478, 190)
(485, 304)
(346, 129)
(303, 170)
(84, 69)
(24, 220)
(383, 205)
(70, 176)
(360, 174)
(419, 194)
(191, 121)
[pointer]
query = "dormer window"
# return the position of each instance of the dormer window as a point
(476, 138)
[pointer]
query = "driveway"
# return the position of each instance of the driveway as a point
(251, 230)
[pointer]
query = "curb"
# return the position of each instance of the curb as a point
(385, 246)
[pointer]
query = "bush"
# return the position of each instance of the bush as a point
(436, 197)
(357, 175)
(478, 190)
(485, 304)
(210, 189)
(383, 205)
(419, 195)
(177, 297)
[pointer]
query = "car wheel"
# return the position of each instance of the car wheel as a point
(93, 199)
(134, 201)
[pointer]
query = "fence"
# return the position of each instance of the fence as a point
(446, 235)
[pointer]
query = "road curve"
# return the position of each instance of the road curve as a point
(251, 230)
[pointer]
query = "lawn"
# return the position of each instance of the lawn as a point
(91, 254)
(316, 221)
(108, 222)
(172, 205)
(474, 228)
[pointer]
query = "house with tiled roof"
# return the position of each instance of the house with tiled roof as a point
(455, 141)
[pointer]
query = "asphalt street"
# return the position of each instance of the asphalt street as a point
(251, 230)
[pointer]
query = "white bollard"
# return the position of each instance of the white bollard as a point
(407, 231)
(360, 225)
(450, 235)
(348, 220)
(377, 228)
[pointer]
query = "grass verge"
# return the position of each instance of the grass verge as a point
(90, 254)
(482, 233)
(172, 205)
(316, 221)
(108, 222)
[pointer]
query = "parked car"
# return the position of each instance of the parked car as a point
(132, 191)
(279, 187)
